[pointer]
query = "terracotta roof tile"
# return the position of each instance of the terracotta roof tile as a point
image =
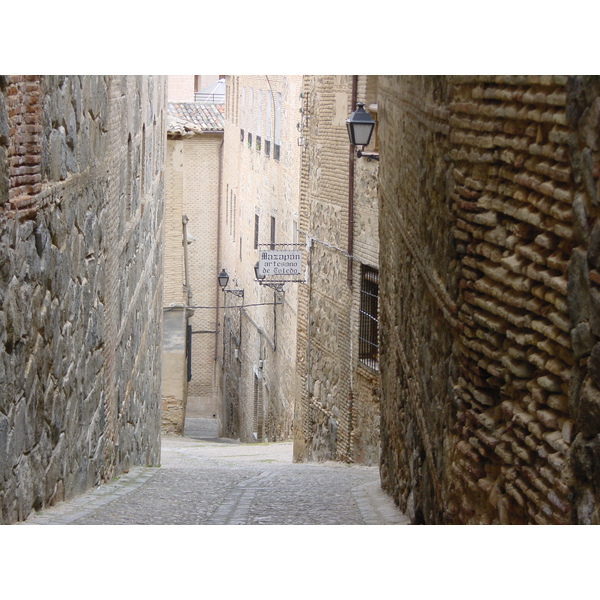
(189, 118)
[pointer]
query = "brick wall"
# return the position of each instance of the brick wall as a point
(80, 285)
(489, 298)
(193, 184)
(261, 177)
(23, 148)
(173, 253)
(201, 204)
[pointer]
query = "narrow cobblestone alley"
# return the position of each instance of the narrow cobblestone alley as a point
(204, 481)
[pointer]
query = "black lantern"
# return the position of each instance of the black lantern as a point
(257, 274)
(278, 287)
(223, 279)
(360, 126)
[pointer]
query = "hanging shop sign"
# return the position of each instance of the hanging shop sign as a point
(279, 262)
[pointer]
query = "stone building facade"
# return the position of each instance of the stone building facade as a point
(81, 212)
(192, 232)
(337, 415)
(490, 298)
(259, 208)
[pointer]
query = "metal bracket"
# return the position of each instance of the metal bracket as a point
(368, 155)
(238, 293)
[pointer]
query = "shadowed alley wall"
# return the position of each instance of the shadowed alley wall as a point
(490, 298)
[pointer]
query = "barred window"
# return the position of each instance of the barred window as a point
(368, 349)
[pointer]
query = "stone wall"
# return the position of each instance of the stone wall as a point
(81, 161)
(337, 417)
(489, 298)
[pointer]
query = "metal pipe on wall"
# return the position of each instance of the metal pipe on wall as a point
(351, 162)
(219, 203)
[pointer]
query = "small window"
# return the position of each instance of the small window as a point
(227, 199)
(272, 233)
(277, 126)
(256, 219)
(234, 214)
(267, 148)
(368, 348)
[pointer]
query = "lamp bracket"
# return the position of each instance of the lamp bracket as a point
(238, 293)
(278, 287)
(368, 155)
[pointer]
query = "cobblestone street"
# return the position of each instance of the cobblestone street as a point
(210, 481)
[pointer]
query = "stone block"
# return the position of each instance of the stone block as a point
(581, 229)
(594, 365)
(4, 180)
(594, 247)
(4, 456)
(588, 409)
(57, 154)
(582, 339)
(578, 287)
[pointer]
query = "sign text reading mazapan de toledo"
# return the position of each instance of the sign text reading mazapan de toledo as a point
(280, 262)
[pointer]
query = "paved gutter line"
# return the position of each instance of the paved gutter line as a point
(376, 507)
(66, 513)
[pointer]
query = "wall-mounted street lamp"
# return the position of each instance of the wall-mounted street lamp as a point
(223, 279)
(278, 287)
(360, 126)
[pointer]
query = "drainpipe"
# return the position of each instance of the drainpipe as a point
(186, 281)
(217, 299)
(354, 98)
(223, 398)
(351, 163)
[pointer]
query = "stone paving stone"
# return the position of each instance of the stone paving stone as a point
(218, 482)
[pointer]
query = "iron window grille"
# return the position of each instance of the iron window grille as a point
(368, 347)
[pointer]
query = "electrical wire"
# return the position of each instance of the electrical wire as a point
(232, 306)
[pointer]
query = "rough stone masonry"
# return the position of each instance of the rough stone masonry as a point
(81, 213)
